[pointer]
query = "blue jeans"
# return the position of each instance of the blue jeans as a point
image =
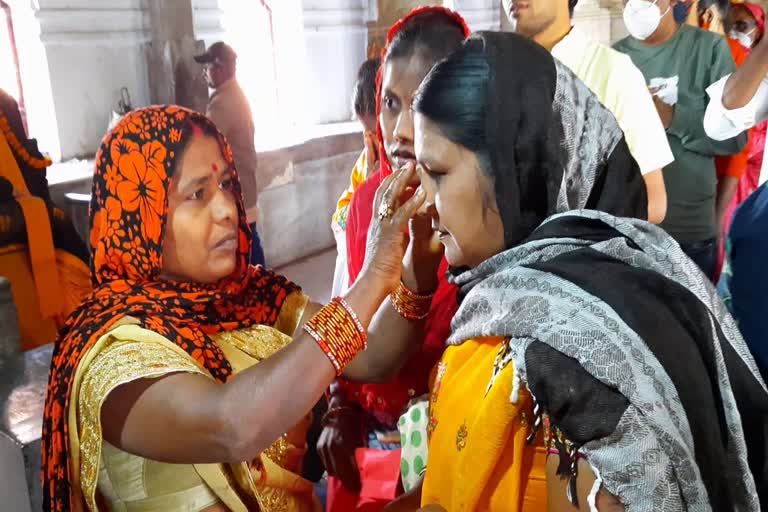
(703, 254)
(257, 253)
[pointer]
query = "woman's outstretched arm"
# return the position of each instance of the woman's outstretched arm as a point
(186, 418)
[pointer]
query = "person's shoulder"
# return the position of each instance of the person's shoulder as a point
(755, 207)
(700, 38)
(623, 45)
(616, 60)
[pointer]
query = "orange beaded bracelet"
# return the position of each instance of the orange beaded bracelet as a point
(338, 332)
(410, 304)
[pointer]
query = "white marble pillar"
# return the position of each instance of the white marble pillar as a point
(335, 41)
(35, 77)
(207, 17)
(480, 14)
(91, 51)
(593, 20)
(174, 77)
(618, 29)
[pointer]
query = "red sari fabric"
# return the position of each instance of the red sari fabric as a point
(386, 402)
(129, 210)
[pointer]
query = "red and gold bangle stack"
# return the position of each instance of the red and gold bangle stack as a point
(339, 333)
(18, 149)
(410, 304)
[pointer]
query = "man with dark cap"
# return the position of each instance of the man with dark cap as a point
(229, 109)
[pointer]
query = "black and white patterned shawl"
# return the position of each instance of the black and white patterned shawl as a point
(615, 332)
(595, 361)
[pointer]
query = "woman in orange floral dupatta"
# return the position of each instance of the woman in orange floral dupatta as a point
(173, 385)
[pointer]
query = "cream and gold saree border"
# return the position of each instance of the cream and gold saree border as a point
(291, 313)
(138, 353)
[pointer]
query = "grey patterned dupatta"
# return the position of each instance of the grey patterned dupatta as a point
(626, 346)
(620, 339)
(553, 146)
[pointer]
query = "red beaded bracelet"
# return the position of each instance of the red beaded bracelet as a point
(338, 332)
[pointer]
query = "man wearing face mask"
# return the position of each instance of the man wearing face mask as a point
(618, 84)
(679, 62)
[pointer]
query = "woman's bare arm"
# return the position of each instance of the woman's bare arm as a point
(557, 489)
(743, 84)
(657, 196)
(188, 418)
(185, 418)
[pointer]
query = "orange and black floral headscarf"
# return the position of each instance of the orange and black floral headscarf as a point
(129, 207)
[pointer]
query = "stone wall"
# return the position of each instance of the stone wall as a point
(90, 50)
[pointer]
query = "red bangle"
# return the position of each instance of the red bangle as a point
(338, 332)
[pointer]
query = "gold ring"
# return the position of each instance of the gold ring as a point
(385, 211)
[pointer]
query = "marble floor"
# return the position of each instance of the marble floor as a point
(314, 274)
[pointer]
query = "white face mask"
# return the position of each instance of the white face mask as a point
(744, 38)
(642, 18)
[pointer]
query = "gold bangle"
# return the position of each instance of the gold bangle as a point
(409, 304)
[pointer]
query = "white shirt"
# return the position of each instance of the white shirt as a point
(721, 123)
(621, 88)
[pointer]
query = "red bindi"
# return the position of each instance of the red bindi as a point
(214, 167)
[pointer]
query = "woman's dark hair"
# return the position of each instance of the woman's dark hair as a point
(454, 96)
(459, 107)
(572, 5)
(541, 136)
(512, 140)
(364, 93)
(432, 35)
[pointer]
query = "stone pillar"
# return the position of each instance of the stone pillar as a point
(387, 13)
(593, 20)
(174, 77)
(618, 29)
(480, 14)
(90, 50)
(335, 38)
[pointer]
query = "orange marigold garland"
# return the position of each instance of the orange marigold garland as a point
(338, 332)
(19, 149)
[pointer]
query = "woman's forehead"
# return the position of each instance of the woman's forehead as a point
(201, 157)
(403, 75)
(429, 143)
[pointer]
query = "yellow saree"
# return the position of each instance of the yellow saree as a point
(47, 282)
(107, 478)
(359, 173)
(478, 455)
